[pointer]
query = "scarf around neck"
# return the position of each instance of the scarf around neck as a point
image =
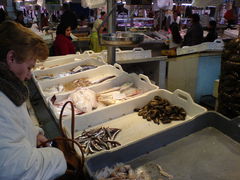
(11, 86)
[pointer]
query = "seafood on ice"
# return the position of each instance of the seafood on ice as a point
(86, 100)
(78, 83)
(98, 139)
(119, 171)
(67, 73)
(160, 109)
(118, 94)
(146, 171)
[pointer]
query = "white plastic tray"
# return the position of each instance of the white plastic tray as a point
(217, 45)
(141, 82)
(58, 61)
(231, 32)
(191, 49)
(61, 60)
(50, 58)
(67, 67)
(102, 71)
(134, 127)
(91, 53)
(136, 53)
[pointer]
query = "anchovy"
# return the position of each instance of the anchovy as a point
(103, 79)
(96, 146)
(98, 139)
(115, 133)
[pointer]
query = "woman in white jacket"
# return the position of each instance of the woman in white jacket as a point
(19, 156)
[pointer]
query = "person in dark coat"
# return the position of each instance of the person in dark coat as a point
(194, 34)
(20, 18)
(68, 18)
(3, 15)
(175, 37)
(212, 32)
(63, 43)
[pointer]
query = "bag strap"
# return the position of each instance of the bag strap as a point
(72, 120)
(72, 129)
(66, 139)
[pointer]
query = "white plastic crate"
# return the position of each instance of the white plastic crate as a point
(122, 115)
(59, 61)
(231, 32)
(50, 58)
(218, 44)
(102, 71)
(91, 53)
(191, 49)
(141, 82)
(67, 67)
(136, 53)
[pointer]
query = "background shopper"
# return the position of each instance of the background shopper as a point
(194, 34)
(63, 43)
(212, 32)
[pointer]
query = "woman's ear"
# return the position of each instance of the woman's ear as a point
(10, 57)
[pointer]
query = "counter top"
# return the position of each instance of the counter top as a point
(157, 58)
(199, 54)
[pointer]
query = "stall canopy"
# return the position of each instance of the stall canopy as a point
(205, 3)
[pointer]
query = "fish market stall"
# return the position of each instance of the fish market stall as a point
(112, 103)
(122, 89)
(81, 79)
(174, 154)
(175, 108)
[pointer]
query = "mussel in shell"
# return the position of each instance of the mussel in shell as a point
(160, 110)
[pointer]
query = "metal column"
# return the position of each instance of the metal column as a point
(111, 58)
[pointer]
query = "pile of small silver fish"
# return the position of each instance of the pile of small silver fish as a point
(98, 139)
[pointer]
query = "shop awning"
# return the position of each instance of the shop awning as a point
(205, 3)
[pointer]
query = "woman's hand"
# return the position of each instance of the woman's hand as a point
(41, 139)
